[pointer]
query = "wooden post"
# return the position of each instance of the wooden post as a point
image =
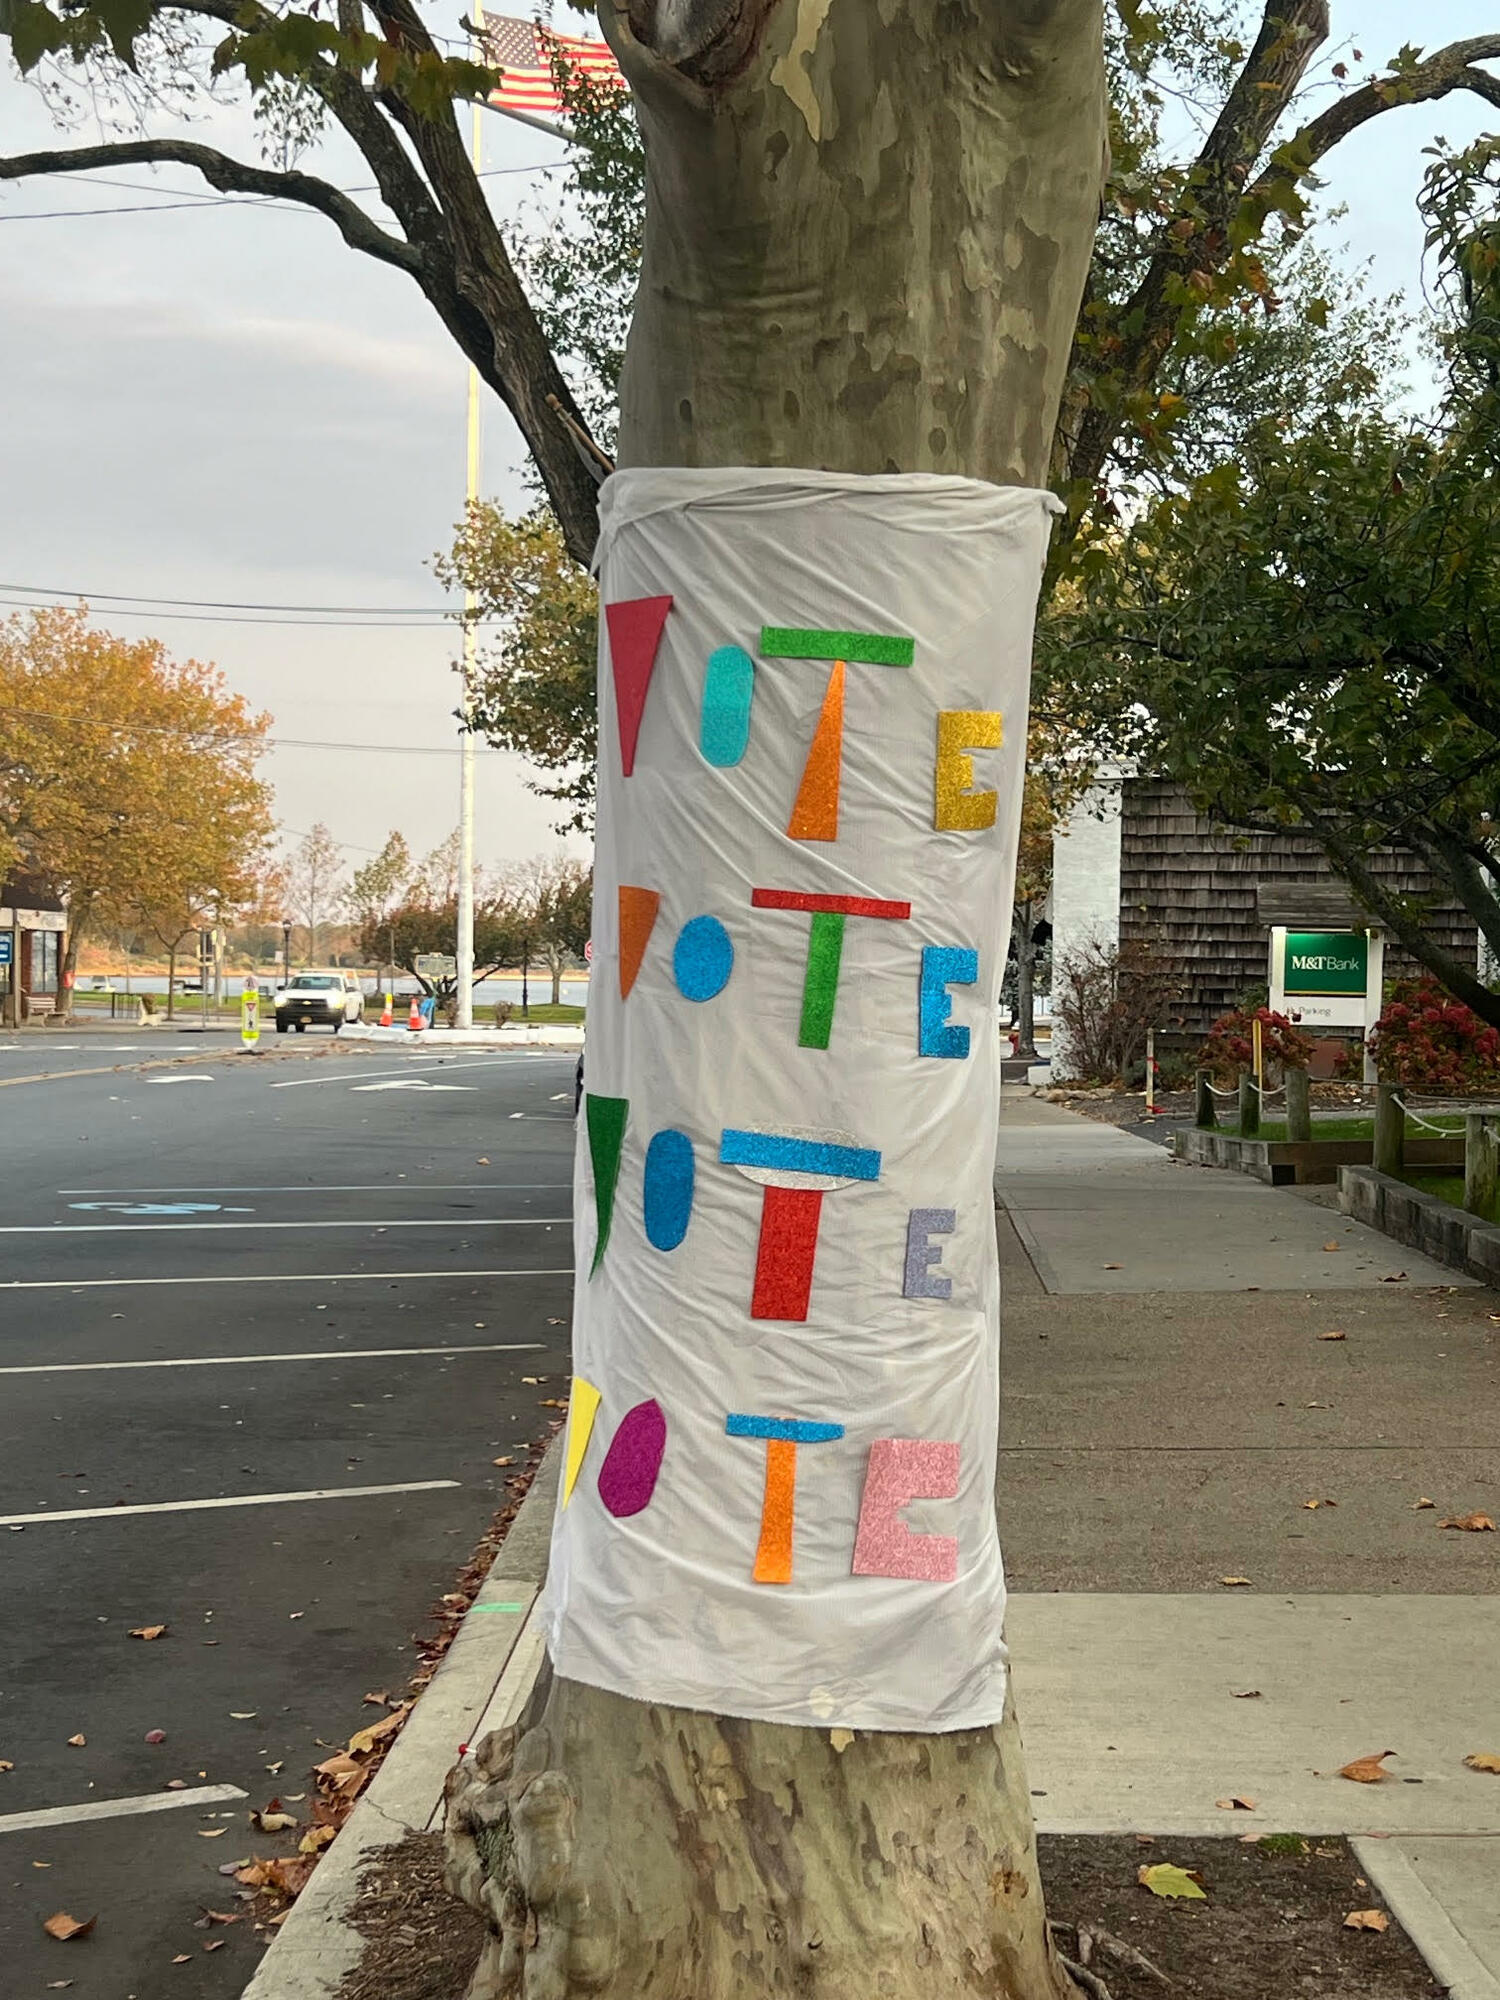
(1390, 1129)
(1249, 1106)
(1481, 1161)
(1298, 1106)
(1205, 1117)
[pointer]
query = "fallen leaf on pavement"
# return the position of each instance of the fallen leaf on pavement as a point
(315, 1838)
(1246, 1694)
(287, 1877)
(215, 1944)
(57, 1985)
(60, 1925)
(1240, 1802)
(147, 1631)
(1165, 1878)
(182, 1958)
(222, 1916)
(1367, 1920)
(1472, 1524)
(1483, 1760)
(77, 1742)
(342, 1774)
(6, 1764)
(273, 1822)
(552, 1403)
(243, 1714)
(364, 1740)
(1114, 1267)
(1332, 1336)
(1394, 1278)
(175, 1785)
(1333, 1246)
(379, 1698)
(1235, 1582)
(1367, 1770)
(1418, 1505)
(274, 1768)
(531, 1380)
(156, 1736)
(212, 1832)
(502, 1461)
(481, 1162)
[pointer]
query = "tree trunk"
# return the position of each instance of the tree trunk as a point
(627, 1849)
(557, 973)
(1024, 926)
(171, 979)
(867, 231)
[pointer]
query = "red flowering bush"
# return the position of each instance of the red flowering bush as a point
(1231, 1046)
(1429, 1041)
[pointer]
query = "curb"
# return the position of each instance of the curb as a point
(1451, 1959)
(1423, 1222)
(539, 1037)
(483, 1681)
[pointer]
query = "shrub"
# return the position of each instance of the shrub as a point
(1427, 1040)
(1230, 1046)
(1105, 998)
(503, 1010)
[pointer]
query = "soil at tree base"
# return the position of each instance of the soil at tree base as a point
(1272, 1927)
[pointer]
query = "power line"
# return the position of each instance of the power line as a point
(287, 202)
(227, 603)
(434, 622)
(247, 738)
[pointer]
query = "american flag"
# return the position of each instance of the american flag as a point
(525, 50)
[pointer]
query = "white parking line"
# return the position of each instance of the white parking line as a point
(248, 1360)
(401, 1222)
(149, 1802)
(352, 1187)
(359, 1075)
(232, 1500)
(267, 1278)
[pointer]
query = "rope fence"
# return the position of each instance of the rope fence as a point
(1427, 1125)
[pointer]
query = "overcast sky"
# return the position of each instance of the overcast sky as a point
(222, 402)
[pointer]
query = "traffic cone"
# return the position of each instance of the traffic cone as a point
(414, 1018)
(386, 1015)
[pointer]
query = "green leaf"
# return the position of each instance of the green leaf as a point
(1165, 1878)
(35, 31)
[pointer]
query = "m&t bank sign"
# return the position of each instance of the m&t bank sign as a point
(1327, 979)
(1326, 962)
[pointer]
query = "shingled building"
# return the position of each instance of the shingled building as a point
(1136, 864)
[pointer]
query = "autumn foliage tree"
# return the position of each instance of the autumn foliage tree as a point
(534, 689)
(127, 779)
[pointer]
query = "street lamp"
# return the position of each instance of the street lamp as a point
(286, 949)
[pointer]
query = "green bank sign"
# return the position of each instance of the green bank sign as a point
(1331, 962)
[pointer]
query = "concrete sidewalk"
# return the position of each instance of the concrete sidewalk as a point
(1102, 1211)
(1164, 1425)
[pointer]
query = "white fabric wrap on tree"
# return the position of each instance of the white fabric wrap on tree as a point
(717, 1033)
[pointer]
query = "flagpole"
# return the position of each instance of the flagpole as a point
(464, 943)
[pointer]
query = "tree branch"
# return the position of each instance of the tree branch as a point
(1219, 187)
(1392, 911)
(1447, 70)
(229, 177)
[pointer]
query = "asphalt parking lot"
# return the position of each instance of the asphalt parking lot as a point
(265, 1323)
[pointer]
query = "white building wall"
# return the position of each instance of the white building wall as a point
(1085, 890)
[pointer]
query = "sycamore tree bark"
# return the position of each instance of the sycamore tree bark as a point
(867, 233)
